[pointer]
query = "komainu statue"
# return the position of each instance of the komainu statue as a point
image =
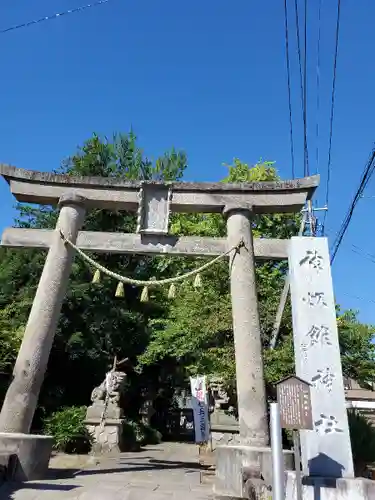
(106, 397)
(110, 389)
(105, 417)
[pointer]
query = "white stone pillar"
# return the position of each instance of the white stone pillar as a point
(22, 396)
(326, 450)
(251, 392)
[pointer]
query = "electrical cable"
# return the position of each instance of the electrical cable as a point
(333, 94)
(365, 178)
(318, 87)
(306, 159)
(362, 299)
(53, 16)
(289, 86)
(301, 85)
(366, 255)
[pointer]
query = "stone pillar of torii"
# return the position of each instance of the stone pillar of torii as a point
(153, 203)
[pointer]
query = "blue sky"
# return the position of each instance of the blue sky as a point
(207, 77)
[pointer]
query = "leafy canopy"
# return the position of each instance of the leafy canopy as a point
(94, 325)
(168, 339)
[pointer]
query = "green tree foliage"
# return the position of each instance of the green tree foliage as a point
(10, 337)
(362, 436)
(94, 325)
(169, 339)
(357, 347)
(197, 332)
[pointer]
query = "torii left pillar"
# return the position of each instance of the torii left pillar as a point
(22, 396)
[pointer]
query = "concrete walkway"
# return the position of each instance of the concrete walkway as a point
(167, 471)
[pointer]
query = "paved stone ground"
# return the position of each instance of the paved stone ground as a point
(167, 471)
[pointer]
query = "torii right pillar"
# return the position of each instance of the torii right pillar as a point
(245, 469)
(251, 394)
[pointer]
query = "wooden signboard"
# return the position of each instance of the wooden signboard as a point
(293, 396)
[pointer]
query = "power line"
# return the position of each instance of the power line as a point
(333, 101)
(357, 252)
(299, 47)
(318, 86)
(303, 102)
(54, 16)
(363, 253)
(306, 166)
(289, 86)
(362, 299)
(365, 178)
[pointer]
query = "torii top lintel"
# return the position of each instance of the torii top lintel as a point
(113, 193)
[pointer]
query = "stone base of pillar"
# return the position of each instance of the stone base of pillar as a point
(330, 488)
(33, 454)
(224, 438)
(107, 438)
(224, 429)
(246, 471)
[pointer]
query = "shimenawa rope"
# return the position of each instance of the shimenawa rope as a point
(131, 281)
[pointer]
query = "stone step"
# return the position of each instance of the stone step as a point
(207, 460)
(208, 476)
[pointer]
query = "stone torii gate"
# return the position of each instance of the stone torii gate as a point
(153, 203)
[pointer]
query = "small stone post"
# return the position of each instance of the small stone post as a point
(251, 393)
(22, 396)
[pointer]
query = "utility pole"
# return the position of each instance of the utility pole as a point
(312, 221)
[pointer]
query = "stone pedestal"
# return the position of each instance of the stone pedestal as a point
(107, 432)
(224, 429)
(224, 436)
(234, 479)
(33, 453)
(108, 437)
(319, 488)
(95, 411)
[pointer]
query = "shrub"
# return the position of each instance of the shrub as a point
(362, 436)
(68, 429)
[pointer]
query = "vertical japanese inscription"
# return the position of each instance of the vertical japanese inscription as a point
(317, 356)
(323, 378)
(317, 335)
(312, 259)
(315, 299)
(327, 424)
